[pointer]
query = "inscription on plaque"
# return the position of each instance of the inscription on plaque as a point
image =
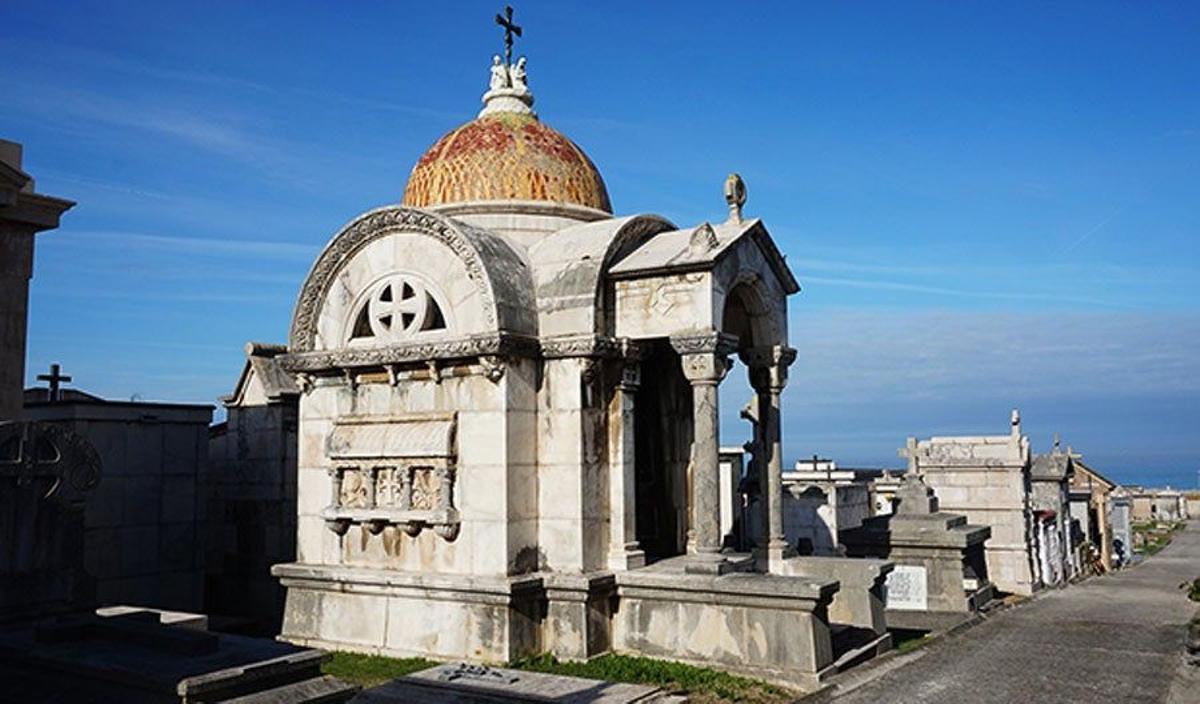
(907, 589)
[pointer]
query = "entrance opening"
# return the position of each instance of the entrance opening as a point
(662, 445)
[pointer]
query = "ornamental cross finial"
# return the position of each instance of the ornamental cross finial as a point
(506, 21)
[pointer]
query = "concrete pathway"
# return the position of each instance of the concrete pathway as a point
(1117, 638)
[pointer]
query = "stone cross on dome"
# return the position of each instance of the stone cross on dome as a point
(510, 28)
(508, 91)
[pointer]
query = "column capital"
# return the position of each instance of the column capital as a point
(710, 342)
(705, 356)
(768, 366)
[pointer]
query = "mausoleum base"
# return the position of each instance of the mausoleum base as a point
(766, 626)
(406, 614)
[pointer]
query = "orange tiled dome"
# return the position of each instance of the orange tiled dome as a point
(505, 156)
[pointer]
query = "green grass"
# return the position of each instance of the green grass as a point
(372, 670)
(906, 641)
(1156, 536)
(1193, 589)
(703, 685)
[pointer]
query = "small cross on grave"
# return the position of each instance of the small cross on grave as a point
(53, 379)
(910, 451)
(506, 21)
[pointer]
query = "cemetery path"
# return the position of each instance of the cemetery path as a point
(1117, 638)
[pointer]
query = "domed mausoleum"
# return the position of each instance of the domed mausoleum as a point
(505, 156)
(509, 420)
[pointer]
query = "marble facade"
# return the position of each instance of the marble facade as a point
(508, 421)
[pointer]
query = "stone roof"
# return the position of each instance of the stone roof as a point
(700, 247)
(263, 368)
(1054, 466)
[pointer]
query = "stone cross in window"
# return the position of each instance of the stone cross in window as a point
(53, 379)
(506, 21)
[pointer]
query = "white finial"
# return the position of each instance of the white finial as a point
(1016, 423)
(508, 89)
(735, 196)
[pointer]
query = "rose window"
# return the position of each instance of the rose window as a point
(398, 308)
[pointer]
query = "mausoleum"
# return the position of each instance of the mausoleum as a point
(508, 419)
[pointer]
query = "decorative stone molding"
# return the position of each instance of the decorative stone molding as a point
(503, 344)
(465, 241)
(411, 496)
(710, 342)
(703, 240)
(587, 346)
(493, 367)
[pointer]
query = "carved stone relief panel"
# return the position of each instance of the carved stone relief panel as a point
(393, 471)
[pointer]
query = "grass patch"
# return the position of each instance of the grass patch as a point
(1151, 537)
(906, 641)
(372, 670)
(1193, 590)
(702, 685)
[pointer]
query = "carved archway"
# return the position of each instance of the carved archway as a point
(495, 269)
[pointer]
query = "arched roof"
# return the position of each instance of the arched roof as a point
(495, 267)
(569, 268)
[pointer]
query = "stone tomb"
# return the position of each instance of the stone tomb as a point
(508, 420)
(478, 684)
(134, 657)
(941, 572)
(987, 479)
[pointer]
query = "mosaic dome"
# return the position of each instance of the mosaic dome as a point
(505, 156)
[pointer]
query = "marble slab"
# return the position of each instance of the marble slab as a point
(461, 682)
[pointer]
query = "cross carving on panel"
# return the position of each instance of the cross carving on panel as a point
(32, 450)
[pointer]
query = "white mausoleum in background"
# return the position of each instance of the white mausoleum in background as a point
(508, 423)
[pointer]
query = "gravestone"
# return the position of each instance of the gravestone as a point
(474, 684)
(941, 572)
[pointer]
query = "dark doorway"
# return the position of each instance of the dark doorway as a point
(662, 444)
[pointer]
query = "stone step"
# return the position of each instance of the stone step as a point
(318, 690)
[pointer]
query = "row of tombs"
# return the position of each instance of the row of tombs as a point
(398, 560)
(495, 430)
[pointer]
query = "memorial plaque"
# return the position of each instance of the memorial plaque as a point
(907, 589)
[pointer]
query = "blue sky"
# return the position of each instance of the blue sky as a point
(988, 205)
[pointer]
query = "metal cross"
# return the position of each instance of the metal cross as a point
(510, 29)
(53, 378)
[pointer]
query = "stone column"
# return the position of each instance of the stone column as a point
(705, 361)
(768, 375)
(623, 551)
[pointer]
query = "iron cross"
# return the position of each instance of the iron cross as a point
(510, 29)
(54, 378)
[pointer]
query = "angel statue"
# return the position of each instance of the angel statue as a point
(499, 74)
(517, 73)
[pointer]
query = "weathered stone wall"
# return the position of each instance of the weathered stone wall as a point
(252, 521)
(994, 496)
(16, 266)
(813, 513)
(495, 488)
(144, 524)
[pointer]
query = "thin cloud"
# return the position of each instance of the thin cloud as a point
(955, 292)
(194, 245)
